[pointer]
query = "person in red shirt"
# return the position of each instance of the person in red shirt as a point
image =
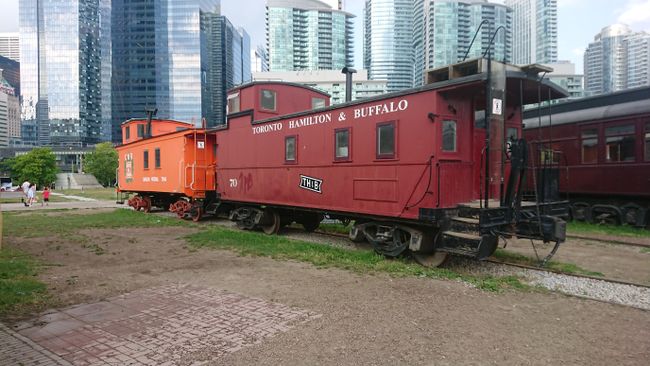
(46, 196)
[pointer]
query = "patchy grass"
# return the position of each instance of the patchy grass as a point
(323, 256)
(645, 250)
(569, 268)
(40, 223)
(334, 228)
(19, 288)
(576, 227)
(103, 194)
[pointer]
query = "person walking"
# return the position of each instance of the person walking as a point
(25, 187)
(31, 191)
(46, 196)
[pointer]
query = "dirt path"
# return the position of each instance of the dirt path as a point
(365, 319)
(614, 261)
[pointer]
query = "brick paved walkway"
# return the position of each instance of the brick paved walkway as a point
(174, 324)
(18, 350)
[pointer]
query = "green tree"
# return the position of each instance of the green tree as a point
(102, 163)
(37, 166)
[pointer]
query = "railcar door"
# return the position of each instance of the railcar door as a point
(454, 167)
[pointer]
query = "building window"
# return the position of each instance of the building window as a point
(619, 143)
(449, 136)
(127, 132)
(140, 131)
(590, 146)
(157, 158)
(386, 140)
(233, 103)
(290, 149)
(647, 141)
(342, 144)
(145, 159)
(317, 103)
(267, 100)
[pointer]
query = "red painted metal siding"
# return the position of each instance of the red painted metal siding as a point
(252, 166)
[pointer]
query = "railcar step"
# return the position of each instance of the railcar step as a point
(464, 236)
(466, 220)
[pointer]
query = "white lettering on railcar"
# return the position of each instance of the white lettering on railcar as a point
(379, 109)
(271, 127)
(310, 120)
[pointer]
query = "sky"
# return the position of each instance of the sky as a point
(579, 21)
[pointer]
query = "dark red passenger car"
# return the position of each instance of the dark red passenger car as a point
(601, 145)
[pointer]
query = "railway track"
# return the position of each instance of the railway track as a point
(609, 241)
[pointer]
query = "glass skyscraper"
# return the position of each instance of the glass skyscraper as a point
(534, 31)
(618, 59)
(228, 48)
(388, 51)
(65, 69)
(178, 56)
(450, 25)
(308, 35)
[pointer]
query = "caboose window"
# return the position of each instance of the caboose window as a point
(140, 130)
(590, 146)
(157, 157)
(145, 159)
(386, 140)
(317, 103)
(290, 149)
(342, 144)
(619, 143)
(127, 132)
(267, 100)
(647, 141)
(233, 103)
(449, 136)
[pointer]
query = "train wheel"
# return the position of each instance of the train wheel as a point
(430, 260)
(271, 222)
(196, 213)
(356, 234)
(146, 204)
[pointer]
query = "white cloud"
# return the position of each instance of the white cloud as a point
(636, 13)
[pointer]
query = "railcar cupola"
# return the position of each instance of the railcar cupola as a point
(136, 129)
(271, 99)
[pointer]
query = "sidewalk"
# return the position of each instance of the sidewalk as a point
(61, 205)
(18, 350)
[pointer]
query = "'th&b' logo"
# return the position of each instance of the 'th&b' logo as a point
(311, 184)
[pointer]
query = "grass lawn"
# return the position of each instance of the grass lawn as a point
(19, 288)
(578, 228)
(105, 194)
(42, 223)
(243, 243)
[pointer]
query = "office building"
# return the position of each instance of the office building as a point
(564, 75)
(308, 35)
(10, 46)
(388, 52)
(9, 113)
(331, 82)
(11, 72)
(176, 56)
(65, 54)
(618, 59)
(229, 58)
(259, 59)
(534, 28)
(448, 27)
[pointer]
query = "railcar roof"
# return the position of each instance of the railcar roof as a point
(623, 103)
(270, 82)
(515, 79)
(144, 119)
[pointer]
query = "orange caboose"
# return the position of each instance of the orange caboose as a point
(174, 169)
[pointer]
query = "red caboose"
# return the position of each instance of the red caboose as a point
(411, 168)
